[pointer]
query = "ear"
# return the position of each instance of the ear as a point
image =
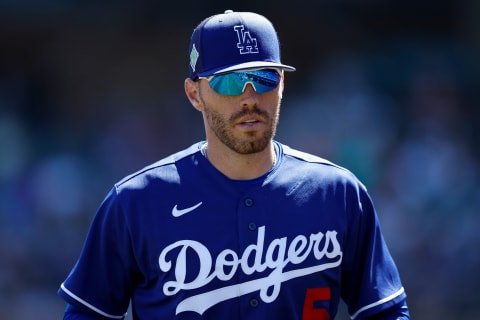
(193, 93)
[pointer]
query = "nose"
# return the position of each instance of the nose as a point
(249, 96)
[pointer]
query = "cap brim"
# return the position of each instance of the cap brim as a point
(246, 66)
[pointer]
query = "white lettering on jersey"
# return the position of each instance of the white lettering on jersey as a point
(278, 254)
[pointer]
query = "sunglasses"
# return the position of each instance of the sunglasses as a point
(234, 83)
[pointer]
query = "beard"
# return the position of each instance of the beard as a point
(253, 141)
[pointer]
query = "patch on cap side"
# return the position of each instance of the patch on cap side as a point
(194, 57)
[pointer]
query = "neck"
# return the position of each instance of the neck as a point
(238, 166)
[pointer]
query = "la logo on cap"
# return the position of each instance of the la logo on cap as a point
(246, 43)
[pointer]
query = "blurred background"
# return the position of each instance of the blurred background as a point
(91, 91)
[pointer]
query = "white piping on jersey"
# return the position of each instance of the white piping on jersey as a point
(88, 305)
(275, 256)
(379, 302)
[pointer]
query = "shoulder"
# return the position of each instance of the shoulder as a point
(315, 165)
(304, 156)
(165, 170)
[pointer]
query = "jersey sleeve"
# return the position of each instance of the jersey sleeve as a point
(371, 282)
(396, 312)
(103, 277)
(74, 313)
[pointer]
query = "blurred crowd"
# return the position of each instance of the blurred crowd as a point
(84, 103)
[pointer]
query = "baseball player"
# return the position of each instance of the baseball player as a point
(238, 226)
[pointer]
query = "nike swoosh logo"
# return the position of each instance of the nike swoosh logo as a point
(180, 212)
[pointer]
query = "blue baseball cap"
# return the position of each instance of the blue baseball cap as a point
(234, 41)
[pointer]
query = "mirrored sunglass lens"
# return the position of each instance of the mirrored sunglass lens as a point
(229, 84)
(234, 83)
(265, 79)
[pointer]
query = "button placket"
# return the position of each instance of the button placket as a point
(248, 202)
(254, 303)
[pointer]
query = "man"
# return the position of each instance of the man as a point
(238, 226)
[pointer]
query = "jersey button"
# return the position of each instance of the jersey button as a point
(252, 226)
(253, 303)
(248, 202)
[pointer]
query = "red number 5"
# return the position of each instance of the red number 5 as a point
(309, 311)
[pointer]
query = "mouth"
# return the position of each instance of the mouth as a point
(250, 123)
(250, 120)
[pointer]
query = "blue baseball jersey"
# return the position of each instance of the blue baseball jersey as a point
(182, 241)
